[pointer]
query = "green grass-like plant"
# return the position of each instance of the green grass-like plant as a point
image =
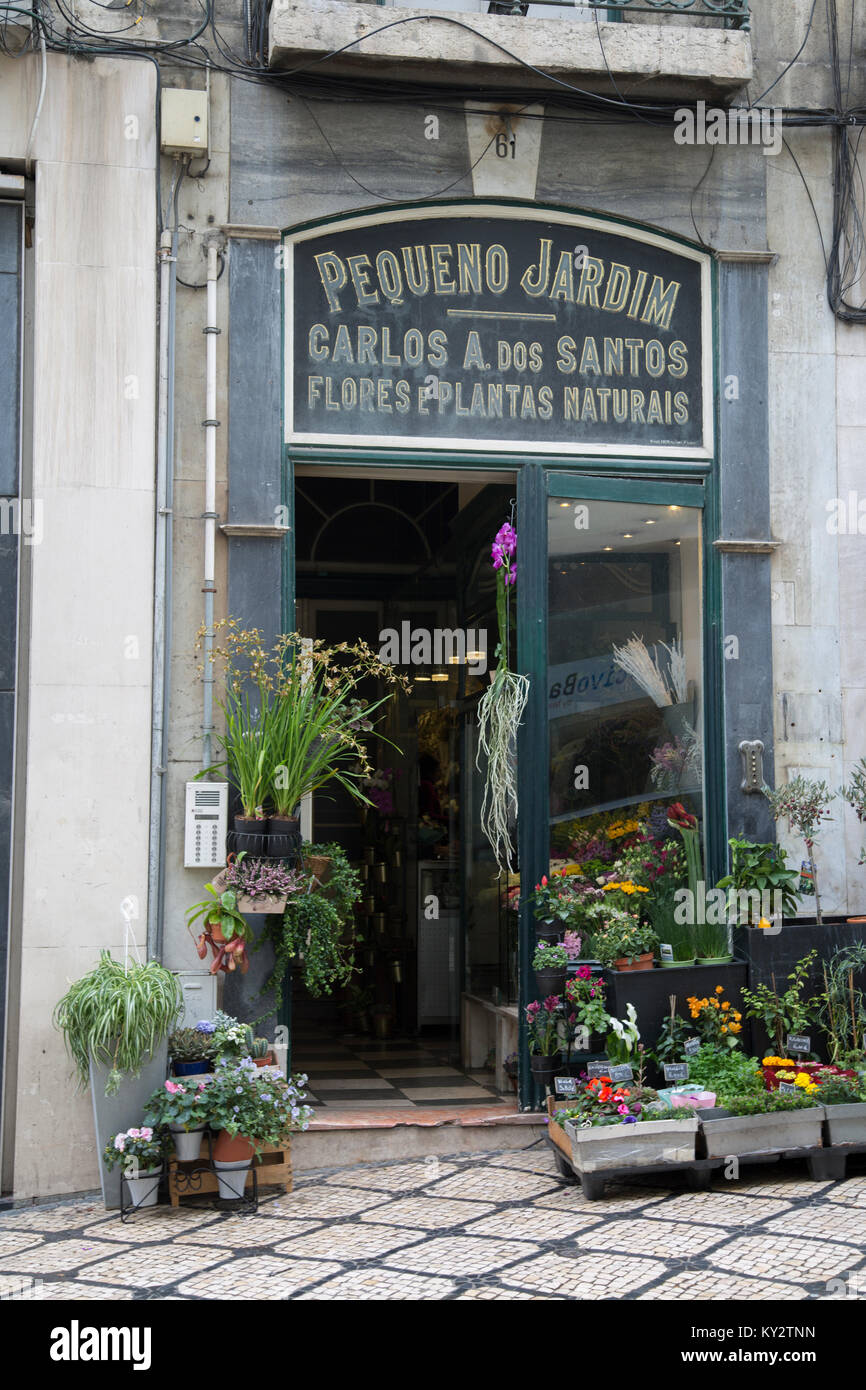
(116, 1015)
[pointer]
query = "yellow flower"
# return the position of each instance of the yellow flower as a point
(720, 989)
(735, 1027)
(724, 1029)
(726, 1005)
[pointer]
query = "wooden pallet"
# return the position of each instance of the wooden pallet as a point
(274, 1170)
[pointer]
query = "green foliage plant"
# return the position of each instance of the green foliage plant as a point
(784, 1013)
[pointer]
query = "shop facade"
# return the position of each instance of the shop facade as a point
(624, 339)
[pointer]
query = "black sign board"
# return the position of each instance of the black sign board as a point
(692, 1047)
(597, 1069)
(565, 1085)
(501, 328)
(676, 1071)
(798, 1042)
(621, 1073)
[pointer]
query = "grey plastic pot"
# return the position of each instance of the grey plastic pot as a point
(112, 1114)
(744, 1134)
(846, 1124)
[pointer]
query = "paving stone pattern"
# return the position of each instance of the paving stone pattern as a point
(485, 1226)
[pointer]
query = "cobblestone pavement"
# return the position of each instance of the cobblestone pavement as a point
(497, 1225)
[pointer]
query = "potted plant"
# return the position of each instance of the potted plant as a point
(712, 943)
(855, 794)
(315, 926)
(140, 1153)
(784, 1013)
(845, 1102)
(623, 1038)
(559, 904)
(231, 1039)
(717, 1022)
(676, 944)
(500, 711)
(250, 1108)
(226, 931)
(803, 803)
(543, 1022)
(116, 1021)
(191, 1051)
(260, 885)
(184, 1110)
(623, 942)
(584, 993)
(550, 964)
(840, 1007)
(259, 1049)
(761, 1124)
(760, 886)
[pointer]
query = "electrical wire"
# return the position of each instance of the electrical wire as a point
(788, 66)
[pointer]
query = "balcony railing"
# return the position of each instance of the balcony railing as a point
(733, 13)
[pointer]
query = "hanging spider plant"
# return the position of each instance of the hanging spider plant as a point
(500, 711)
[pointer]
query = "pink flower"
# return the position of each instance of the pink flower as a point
(173, 1088)
(120, 1142)
(134, 1133)
(622, 1109)
(551, 1002)
(145, 1133)
(584, 972)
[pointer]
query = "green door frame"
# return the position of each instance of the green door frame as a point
(535, 485)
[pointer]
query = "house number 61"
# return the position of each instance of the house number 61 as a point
(504, 144)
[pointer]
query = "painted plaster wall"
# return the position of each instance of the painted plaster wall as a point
(88, 755)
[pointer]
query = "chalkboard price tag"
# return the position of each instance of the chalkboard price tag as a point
(666, 952)
(676, 1071)
(597, 1069)
(788, 1088)
(565, 1085)
(621, 1073)
(692, 1047)
(798, 1042)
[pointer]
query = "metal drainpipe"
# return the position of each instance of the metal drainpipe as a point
(164, 470)
(211, 425)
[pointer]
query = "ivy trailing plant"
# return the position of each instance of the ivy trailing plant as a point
(313, 927)
(500, 711)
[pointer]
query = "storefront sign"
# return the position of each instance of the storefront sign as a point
(498, 328)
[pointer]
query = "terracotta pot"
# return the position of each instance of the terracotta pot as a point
(229, 1150)
(267, 1061)
(644, 962)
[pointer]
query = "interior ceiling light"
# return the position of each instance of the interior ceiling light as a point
(565, 504)
(674, 509)
(627, 536)
(439, 676)
(677, 542)
(650, 521)
(476, 656)
(607, 547)
(454, 660)
(422, 678)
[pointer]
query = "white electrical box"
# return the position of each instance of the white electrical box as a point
(205, 825)
(183, 121)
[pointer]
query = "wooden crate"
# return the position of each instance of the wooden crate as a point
(557, 1134)
(275, 1169)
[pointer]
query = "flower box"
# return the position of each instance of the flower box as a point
(637, 1145)
(771, 1133)
(556, 1132)
(846, 1124)
(267, 902)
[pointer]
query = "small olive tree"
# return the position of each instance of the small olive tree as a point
(803, 804)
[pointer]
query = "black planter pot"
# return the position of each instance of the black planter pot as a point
(545, 932)
(284, 836)
(250, 825)
(550, 982)
(544, 1069)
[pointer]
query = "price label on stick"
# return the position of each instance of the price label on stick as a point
(565, 1085)
(621, 1073)
(798, 1042)
(692, 1047)
(676, 1071)
(597, 1069)
(788, 1088)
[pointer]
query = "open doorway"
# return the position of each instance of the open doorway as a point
(430, 1016)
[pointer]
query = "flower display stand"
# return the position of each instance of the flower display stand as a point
(194, 1178)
